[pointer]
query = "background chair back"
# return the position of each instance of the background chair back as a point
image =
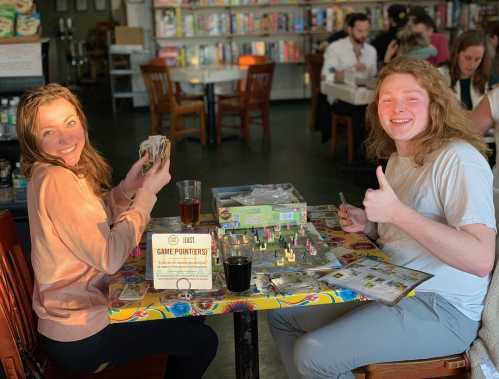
(244, 61)
(314, 68)
(17, 319)
(159, 87)
(258, 84)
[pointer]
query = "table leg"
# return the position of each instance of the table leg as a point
(210, 100)
(246, 344)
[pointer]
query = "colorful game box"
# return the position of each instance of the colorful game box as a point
(255, 206)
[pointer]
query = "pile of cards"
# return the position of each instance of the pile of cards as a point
(156, 147)
(134, 291)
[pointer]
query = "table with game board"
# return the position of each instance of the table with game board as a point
(160, 304)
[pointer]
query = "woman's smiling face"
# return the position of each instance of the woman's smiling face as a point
(60, 132)
(403, 110)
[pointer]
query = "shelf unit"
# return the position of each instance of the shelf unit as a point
(218, 31)
(124, 73)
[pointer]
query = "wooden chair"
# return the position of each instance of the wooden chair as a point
(314, 67)
(163, 100)
(251, 104)
(19, 354)
(456, 366)
(243, 61)
(179, 93)
(346, 121)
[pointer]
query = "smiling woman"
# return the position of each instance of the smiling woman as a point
(82, 231)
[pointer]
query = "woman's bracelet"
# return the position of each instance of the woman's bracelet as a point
(125, 194)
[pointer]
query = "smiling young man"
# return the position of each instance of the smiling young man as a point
(433, 211)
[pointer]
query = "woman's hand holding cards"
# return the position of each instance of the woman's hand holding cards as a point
(157, 177)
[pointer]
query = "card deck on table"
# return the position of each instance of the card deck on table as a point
(134, 291)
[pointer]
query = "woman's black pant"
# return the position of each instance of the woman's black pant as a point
(190, 344)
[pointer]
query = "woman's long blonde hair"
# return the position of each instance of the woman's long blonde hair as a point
(91, 164)
(447, 120)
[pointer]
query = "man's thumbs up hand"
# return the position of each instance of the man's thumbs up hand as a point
(381, 205)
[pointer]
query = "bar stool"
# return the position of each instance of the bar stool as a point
(347, 122)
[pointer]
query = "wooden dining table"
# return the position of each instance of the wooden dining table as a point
(208, 76)
(164, 304)
(352, 94)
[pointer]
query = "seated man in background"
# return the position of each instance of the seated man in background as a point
(351, 53)
(424, 24)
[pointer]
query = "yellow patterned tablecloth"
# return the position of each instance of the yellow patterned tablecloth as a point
(167, 304)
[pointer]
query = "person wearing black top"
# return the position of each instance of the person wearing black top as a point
(469, 68)
(397, 19)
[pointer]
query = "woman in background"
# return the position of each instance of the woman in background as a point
(484, 117)
(81, 232)
(469, 68)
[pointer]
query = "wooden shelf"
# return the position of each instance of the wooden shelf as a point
(20, 39)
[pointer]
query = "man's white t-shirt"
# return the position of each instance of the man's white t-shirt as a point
(340, 56)
(454, 187)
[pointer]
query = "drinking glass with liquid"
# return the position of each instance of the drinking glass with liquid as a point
(189, 192)
(237, 255)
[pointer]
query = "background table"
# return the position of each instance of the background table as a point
(354, 95)
(208, 76)
(160, 304)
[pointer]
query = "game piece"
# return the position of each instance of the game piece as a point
(302, 230)
(134, 291)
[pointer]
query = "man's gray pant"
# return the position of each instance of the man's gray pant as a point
(315, 342)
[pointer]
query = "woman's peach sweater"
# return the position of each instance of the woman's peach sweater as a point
(77, 240)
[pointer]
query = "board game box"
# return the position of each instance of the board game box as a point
(258, 205)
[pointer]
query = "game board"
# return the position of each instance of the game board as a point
(289, 248)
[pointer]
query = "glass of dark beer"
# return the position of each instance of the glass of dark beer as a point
(189, 192)
(237, 253)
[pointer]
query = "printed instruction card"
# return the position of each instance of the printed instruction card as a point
(181, 261)
(378, 280)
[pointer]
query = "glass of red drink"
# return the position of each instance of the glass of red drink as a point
(237, 252)
(189, 192)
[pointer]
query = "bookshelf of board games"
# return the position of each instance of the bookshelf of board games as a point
(203, 32)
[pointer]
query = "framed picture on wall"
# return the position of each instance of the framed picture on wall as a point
(81, 5)
(100, 5)
(61, 5)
